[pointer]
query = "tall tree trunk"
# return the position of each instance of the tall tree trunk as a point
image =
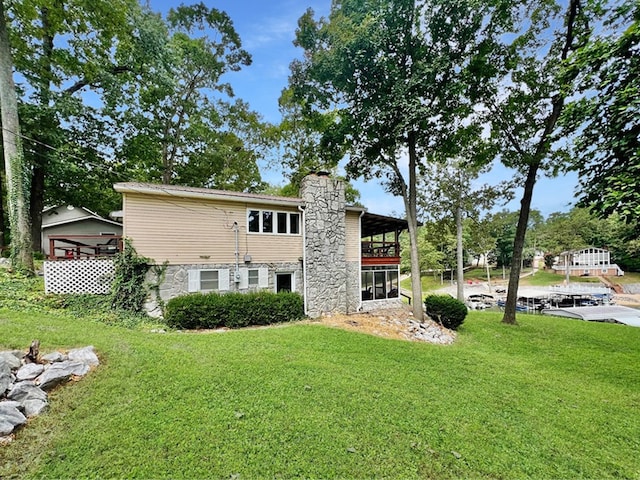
(16, 172)
(1, 207)
(36, 202)
(409, 198)
(518, 245)
(459, 255)
(46, 127)
(542, 150)
(486, 266)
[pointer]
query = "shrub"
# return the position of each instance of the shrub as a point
(446, 310)
(233, 310)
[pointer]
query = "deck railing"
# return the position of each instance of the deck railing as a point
(380, 249)
(73, 247)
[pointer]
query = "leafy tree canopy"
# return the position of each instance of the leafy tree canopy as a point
(606, 114)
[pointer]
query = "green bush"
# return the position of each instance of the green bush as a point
(233, 310)
(446, 310)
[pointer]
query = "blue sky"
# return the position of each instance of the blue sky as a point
(267, 29)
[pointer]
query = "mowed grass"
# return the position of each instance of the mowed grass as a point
(545, 278)
(550, 398)
(628, 277)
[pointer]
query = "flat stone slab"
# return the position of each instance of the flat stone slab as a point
(85, 355)
(53, 357)
(5, 376)
(29, 371)
(61, 372)
(34, 407)
(23, 391)
(10, 418)
(12, 358)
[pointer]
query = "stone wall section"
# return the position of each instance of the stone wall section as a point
(325, 245)
(176, 280)
(387, 303)
(353, 287)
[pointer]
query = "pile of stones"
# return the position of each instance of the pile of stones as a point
(431, 332)
(26, 379)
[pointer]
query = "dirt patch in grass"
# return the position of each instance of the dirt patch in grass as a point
(395, 323)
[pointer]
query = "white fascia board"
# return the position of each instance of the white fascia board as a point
(206, 194)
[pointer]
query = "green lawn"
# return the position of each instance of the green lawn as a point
(628, 277)
(550, 398)
(543, 278)
(429, 283)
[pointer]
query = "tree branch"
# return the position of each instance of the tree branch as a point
(80, 84)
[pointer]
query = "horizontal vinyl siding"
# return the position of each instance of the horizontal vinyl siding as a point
(352, 250)
(198, 231)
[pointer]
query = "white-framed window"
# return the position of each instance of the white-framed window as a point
(254, 278)
(209, 280)
(273, 222)
(284, 282)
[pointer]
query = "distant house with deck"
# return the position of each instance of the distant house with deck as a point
(72, 232)
(588, 261)
(341, 258)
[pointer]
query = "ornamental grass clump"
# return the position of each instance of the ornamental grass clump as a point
(446, 310)
(233, 310)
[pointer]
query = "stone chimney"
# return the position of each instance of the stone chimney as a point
(325, 237)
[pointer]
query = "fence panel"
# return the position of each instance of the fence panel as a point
(79, 276)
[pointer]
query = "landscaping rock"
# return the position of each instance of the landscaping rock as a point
(24, 383)
(53, 357)
(10, 418)
(34, 406)
(12, 403)
(29, 371)
(85, 355)
(12, 358)
(60, 372)
(5, 376)
(24, 391)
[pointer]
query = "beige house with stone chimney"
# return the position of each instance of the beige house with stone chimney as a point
(342, 259)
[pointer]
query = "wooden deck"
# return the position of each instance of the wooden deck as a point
(73, 247)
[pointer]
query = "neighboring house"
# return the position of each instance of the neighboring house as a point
(72, 232)
(340, 258)
(587, 262)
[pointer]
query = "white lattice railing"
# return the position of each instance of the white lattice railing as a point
(78, 276)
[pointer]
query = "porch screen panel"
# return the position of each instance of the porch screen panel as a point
(380, 285)
(367, 285)
(392, 284)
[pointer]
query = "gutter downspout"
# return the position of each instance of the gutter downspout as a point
(236, 275)
(360, 264)
(304, 259)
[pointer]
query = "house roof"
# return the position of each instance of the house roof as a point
(205, 193)
(373, 224)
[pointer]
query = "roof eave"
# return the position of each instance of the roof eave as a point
(204, 194)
